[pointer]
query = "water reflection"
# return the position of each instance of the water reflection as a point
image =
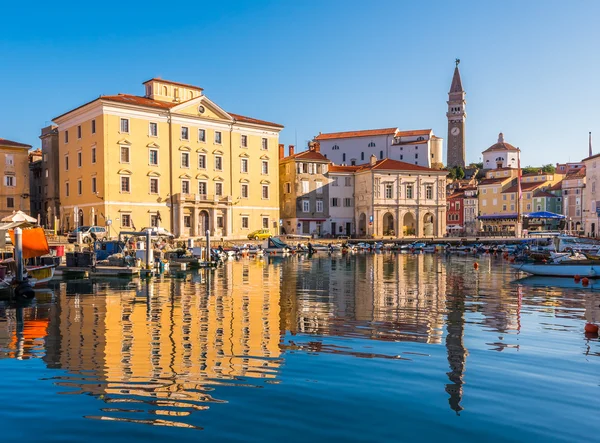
(158, 352)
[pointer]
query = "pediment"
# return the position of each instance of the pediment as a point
(186, 176)
(184, 148)
(124, 172)
(202, 177)
(152, 145)
(202, 150)
(202, 107)
(124, 141)
(218, 152)
(218, 179)
(264, 157)
(244, 154)
(265, 182)
(153, 174)
(244, 180)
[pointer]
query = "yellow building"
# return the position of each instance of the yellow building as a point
(14, 191)
(171, 158)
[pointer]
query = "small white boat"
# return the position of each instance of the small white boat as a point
(275, 246)
(583, 268)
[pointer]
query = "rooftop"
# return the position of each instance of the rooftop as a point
(501, 145)
(158, 79)
(13, 144)
(525, 187)
(350, 134)
(395, 165)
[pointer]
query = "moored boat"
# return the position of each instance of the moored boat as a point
(582, 268)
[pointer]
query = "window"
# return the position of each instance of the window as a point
(93, 126)
(201, 135)
(187, 221)
(218, 137)
(153, 160)
(335, 202)
(10, 202)
(153, 185)
(125, 184)
(125, 125)
(389, 190)
(45, 157)
(79, 159)
(362, 155)
(429, 193)
(94, 190)
(154, 220)
(504, 197)
(265, 144)
(344, 157)
(319, 187)
(10, 159)
(347, 181)
(417, 155)
(334, 181)
(9, 181)
(93, 155)
(305, 205)
(218, 189)
(245, 222)
(220, 223)
(185, 159)
(244, 166)
(185, 186)
(126, 220)
(201, 161)
(202, 188)
(185, 133)
(348, 202)
(79, 187)
(244, 190)
(66, 162)
(218, 163)
(244, 141)
(409, 191)
(305, 186)
(265, 222)
(67, 189)
(288, 188)
(79, 131)
(265, 192)
(153, 129)
(265, 167)
(46, 172)
(380, 155)
(124, 154)
(319, 205)
(401, 157)
(66, 136)
(457, 205)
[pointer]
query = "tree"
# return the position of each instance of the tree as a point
(460, 173)
(530, 169)
(549, 168)
(452, 173)
(476, 165)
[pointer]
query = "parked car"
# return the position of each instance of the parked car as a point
(260, 234)
(158, 231)
(88, 234)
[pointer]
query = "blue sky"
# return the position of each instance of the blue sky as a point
(530, 68)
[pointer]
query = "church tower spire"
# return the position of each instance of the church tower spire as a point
(456, 121)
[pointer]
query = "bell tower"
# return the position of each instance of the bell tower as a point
(456, 121)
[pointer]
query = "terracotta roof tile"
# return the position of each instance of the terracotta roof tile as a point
(395, 165)
(343, 168)
(541, 193)
(493, 181)
(350, 134)
(307, 155)
(414, 132)
(580, 173)
(254, 120)
(556, 186)
(525, 187)
(13, 144)
(501, 147)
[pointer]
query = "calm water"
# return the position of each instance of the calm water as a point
(360, 348)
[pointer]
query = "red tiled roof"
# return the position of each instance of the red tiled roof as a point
(456, 195)
(493, 181)
(501, 147)
(556, 187)
(307, 155)
(172, 83)
(414, 132)
(350, 134)
(244, 119)
(525, 187)
(579, 173)
(395, 165)
(12, 144)
(541, 193)
(343, 168)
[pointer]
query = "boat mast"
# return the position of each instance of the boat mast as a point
(519, 194)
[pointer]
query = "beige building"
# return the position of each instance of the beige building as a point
(172, 158)
(14, 190)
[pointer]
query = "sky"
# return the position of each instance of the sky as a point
(530, 68)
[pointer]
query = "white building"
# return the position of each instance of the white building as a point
(399, 199)
(419, 147)
(500, 155)
(341, 200)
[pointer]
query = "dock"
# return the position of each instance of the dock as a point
(98, 271)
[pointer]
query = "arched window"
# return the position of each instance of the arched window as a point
(419, 139)
(372, 145)
(191, 95)
(362, 155)
(165, 90)
(335, 147)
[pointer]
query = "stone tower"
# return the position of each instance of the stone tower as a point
(456, 121)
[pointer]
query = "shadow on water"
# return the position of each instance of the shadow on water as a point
(158, 352)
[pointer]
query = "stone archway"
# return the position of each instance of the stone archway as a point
(388, 224)
(203, 222)
(428, 225)
(362, 225)
(80, 218)
(409, 224)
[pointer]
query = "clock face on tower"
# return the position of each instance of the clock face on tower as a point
(455, 130)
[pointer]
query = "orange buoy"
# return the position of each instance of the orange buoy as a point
(585, 281)
(476, 265)
(577, 278)
(512, 259)
(591, 328)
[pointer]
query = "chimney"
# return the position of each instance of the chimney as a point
(372, 159)
(281, 151)
(291, 148)
(317, 147)
(311, 146)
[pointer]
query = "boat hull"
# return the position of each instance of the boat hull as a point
(590, 270)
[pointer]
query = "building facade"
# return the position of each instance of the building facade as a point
(49, 216)
(471, 205)
(14, 190)
(455, 214)
(304, 191)
(501, 155)
(172, 158)
(35, 184)
(341, 200)
(457, 116)
(573, 193)
(591, 198)
(420, 147)
(399, 199)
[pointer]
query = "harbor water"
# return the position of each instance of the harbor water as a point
(366, 347)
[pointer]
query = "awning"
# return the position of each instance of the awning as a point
(498, 216)
(544, 214)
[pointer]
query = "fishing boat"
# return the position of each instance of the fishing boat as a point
(582, 268)
(569, 243)
(275, 246)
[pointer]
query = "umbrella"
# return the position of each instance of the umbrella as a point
(19, 216)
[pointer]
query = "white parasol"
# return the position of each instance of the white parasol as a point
(19, 216)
